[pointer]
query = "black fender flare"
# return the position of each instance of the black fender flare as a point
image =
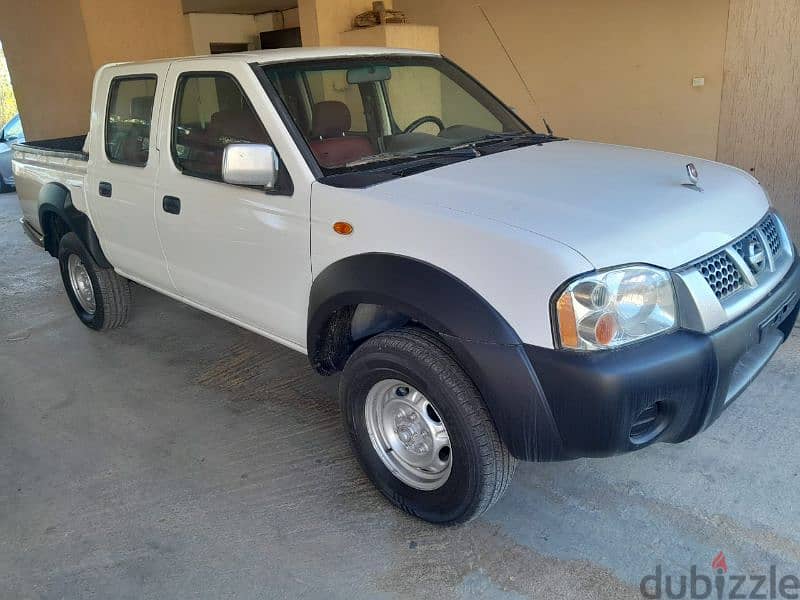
(56, 198)
(483, 342)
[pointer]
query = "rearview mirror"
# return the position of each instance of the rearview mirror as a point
(250, 164)
(368, 74)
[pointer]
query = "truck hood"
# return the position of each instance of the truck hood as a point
(612, 204)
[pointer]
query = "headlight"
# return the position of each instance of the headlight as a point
(616, 307)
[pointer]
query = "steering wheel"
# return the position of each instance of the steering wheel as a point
(422, 120)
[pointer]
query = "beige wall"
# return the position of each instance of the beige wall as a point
(48, 58)
(419, 37)
(760, 121)
(53, 49)
(282, 19)
(237, 28)
(211, 27)
(126, 30)
(321, 21)
(618, 71)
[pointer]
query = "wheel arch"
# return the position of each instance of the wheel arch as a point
(402, 286)
(482, 341)
(57, 212)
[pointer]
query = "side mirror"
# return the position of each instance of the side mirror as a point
(250, 164)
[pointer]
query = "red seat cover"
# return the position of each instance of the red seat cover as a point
(331, 146)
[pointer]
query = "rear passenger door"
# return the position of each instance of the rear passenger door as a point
(123, 167)
(238, 250)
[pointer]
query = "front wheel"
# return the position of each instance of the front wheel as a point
(420, 428)
(100, 297)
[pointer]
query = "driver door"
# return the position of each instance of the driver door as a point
(239, 251)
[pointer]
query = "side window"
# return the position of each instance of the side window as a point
(211, 111)
(130, 110)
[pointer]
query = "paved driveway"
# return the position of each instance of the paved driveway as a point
(183, 457)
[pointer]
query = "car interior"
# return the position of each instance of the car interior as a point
(349, 114)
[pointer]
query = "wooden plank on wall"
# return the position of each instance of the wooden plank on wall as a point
(760, 115)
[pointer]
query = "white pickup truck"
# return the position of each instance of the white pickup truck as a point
(489, 293)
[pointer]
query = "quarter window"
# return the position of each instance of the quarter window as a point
(130, 110)
(211, 111)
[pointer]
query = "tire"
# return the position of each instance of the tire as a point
(4, 187)
(111, 294)
(480, 465)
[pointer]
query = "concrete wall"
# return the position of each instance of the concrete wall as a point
(322, 21)
(129, 30)
(760, 121)
(54, 48)
(212, 27)
(283, 19)
(237, 28)
(50, 66)
(618, 71)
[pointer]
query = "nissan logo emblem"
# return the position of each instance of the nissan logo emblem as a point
(755, 256)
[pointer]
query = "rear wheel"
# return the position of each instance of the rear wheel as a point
(420, 428)
(4, 187)
(100, 297)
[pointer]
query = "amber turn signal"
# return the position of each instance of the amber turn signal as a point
(343, 228)
(566, 322)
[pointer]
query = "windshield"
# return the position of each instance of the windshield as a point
(358, 112)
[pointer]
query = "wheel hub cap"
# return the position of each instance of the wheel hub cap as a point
(408, 434)
(81, 283)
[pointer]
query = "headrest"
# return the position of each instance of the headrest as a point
(237, 124)
(330, 119)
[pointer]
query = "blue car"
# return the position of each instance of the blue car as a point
(10, 134)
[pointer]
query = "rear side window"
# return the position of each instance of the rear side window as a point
(130, 110)
(211, 111)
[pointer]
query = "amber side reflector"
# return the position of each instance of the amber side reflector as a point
(567, 328)
(343, 228)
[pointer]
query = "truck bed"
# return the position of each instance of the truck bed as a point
(36, 163)
(72, 145)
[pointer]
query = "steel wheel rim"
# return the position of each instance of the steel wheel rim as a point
(81, 283)
(408, 434)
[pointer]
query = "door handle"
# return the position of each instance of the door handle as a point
(171, 204)
(105, 189)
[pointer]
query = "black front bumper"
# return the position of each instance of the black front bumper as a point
(665, 389)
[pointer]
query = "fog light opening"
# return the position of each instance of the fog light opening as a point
(648, 424)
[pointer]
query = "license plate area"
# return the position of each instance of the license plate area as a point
(772, 322)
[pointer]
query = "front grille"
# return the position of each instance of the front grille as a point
(740, 247)
(721, 271)
(770, 231)
(721, 274)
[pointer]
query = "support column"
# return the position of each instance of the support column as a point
(54, 48)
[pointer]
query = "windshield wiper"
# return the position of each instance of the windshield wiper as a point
(515, 137)
(382, 157)
(432, 153)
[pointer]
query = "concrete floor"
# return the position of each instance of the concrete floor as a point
(183, 457)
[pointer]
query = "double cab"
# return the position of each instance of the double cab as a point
(487, 292)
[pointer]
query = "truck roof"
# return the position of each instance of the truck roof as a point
(287, 55)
